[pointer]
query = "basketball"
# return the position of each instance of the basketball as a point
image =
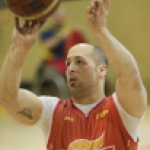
(33, 9)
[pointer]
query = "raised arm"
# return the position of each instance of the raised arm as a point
(23, 105)
(130, 90)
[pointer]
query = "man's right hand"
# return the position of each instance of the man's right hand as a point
(25, 37)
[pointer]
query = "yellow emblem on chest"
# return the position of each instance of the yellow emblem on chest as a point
(102, 114)
(69, 118)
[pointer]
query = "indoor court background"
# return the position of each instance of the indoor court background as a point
(128, 21)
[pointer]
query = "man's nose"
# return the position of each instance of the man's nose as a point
(72, 67)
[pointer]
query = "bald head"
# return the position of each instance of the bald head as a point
(80, 49)
(88, 50)
(99, 56)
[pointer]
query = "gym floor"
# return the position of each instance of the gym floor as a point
(15, 136)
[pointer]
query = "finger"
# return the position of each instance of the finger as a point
(26, 24)
(106, 4)
(18, 28)
(42, 22)
(96, 3)
(17, 23)
(99, 6)
(88, 10)
(36, 28)
(91, 10)
(33, 23)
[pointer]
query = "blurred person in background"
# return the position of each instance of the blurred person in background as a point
(57, 38)
(53, 38)
(88, 120)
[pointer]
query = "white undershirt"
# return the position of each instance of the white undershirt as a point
(86, 108)
(131, 123)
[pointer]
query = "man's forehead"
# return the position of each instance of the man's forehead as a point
(80, 50)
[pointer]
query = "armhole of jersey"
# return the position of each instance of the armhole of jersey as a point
(55, 121)
(131, 124)
(45, 121)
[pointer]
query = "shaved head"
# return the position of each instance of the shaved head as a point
(86, 49)
(99, 56)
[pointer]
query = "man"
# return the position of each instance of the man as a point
(88, 120)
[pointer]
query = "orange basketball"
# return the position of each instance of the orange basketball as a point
(33, 9)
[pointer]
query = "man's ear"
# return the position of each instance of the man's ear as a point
(102, 70)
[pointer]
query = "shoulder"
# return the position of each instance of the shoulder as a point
(49, 101)
(107, 101)
(64, 103)
(130, 122)
(48, 106)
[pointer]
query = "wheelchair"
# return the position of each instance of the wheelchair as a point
(50, 82)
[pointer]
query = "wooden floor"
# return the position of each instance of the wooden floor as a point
(14, 136)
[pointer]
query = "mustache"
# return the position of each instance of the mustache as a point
(72, 76)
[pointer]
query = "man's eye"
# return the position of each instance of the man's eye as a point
(68, 63)
(79, 61)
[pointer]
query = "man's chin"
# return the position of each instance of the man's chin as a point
(72, 88)
(72, 85)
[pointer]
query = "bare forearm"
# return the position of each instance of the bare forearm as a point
(119, 57)
(10, 75)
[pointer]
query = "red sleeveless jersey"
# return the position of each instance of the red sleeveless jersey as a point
(102, 129)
